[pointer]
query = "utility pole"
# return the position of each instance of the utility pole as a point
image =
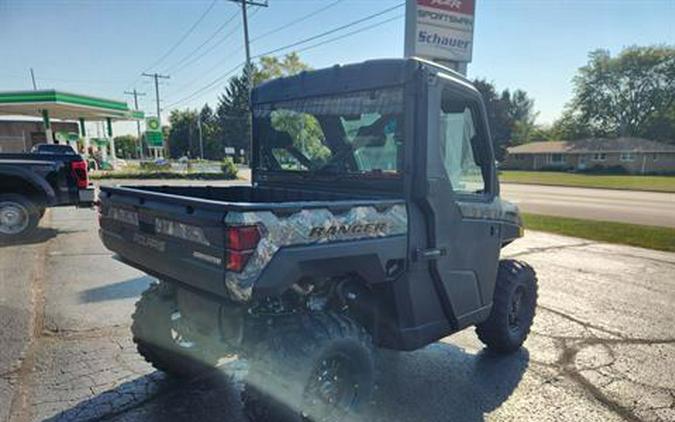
(247, 47)
(244, 4)
(201, 140)
(156, 76)
(136, 94)
(32, 77)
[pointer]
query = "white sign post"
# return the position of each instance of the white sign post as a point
(441, 31)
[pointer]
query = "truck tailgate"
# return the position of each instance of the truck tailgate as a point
(168, 237)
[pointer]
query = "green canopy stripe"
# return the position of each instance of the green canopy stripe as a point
(62, 97)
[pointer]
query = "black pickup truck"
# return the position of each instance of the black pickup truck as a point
(373, 221)
(30, 183)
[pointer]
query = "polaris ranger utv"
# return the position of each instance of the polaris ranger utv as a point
(373, 222)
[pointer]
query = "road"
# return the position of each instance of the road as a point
(650, 208)
(602, 346)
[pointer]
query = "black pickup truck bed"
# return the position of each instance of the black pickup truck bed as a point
(181, 233)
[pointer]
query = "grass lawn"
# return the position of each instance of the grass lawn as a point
(651, 237)
(628, 182)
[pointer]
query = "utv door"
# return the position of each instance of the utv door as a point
(461, 201)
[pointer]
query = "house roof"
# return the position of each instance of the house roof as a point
(592, 145)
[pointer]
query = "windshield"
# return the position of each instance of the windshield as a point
(355, 133)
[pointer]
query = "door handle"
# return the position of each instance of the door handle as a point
(432, 253)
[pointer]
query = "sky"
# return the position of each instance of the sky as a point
(101, 47)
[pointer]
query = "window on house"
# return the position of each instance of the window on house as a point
(599, 156)
(627, 156)
(655, 156)
(557, 158)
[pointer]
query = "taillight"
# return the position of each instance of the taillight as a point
(79, 169)
(241, 243)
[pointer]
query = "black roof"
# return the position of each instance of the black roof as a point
(346, 78)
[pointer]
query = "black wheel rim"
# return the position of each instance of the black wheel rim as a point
(517, 309)
(333, 390)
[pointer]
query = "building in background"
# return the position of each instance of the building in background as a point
(21, 135)
(634, 155)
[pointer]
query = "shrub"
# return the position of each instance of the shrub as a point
(153, 166)
(600, 169)
(229, 169)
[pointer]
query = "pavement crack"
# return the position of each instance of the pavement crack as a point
(584, 324)
(530, 251)
(571, 346)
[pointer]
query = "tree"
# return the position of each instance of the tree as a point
(183, 136)
(213, 147)
(510, 116)
(632, 94)
(126, 146)
(271, 67)
(232, 113)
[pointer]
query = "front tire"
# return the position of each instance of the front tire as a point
(315, 367)
(161, 339)
(19, 217)
(513, 308)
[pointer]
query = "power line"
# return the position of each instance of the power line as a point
(349, 34)
(184, 37)
(296, 21)
(213, 47)
(207, 51)
(332, 31)
(306, 40)
(207, 87)
(211, 37)
(179, 42)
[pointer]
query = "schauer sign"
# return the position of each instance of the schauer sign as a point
(440, 30)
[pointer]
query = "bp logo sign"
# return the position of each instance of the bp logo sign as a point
(153, 124)
(153, 132)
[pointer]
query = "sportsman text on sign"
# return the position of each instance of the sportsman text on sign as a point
(440, 30)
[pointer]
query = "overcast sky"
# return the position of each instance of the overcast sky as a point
(100, 47)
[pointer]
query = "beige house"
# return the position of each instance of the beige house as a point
(640, 156)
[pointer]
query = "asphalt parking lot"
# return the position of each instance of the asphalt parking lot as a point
(602, 347)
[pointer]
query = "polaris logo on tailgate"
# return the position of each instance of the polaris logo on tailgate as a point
(347, 229)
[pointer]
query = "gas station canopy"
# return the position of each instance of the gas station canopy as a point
(52, 104)
(64, 105)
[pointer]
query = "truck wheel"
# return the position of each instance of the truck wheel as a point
(18, 217)
(317, 368)
(513, 308)
(163, 340)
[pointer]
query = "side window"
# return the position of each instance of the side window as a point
(461, 145)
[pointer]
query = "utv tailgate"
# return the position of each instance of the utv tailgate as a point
(186, 233)
(167, 236)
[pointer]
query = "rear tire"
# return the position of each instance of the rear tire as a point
(161, 342)
(19, 217)
(316, 367)
(513, 308)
